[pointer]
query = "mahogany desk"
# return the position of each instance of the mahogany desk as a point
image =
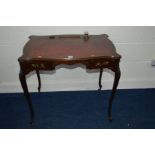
(46, 52)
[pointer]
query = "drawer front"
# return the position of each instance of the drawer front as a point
(41, 66)
(100, 64)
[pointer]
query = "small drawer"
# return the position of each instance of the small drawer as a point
(42, 66)
(102, 64)
(38, 66)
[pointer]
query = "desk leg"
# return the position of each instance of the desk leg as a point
(39, 80)
(27, 95)
(100, 79)
(116, 81)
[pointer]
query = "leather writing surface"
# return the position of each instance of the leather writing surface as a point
(69, 47)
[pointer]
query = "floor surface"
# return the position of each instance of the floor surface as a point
(132, 109)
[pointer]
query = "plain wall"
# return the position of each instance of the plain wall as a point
(135, 44)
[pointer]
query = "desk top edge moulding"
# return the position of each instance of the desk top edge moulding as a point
(46, 52)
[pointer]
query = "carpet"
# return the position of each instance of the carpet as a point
(132, 109)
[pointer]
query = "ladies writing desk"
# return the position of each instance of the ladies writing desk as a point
(46, 52)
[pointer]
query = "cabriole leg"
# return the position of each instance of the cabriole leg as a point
(27, 95)
(39, 80)
(100, 79)
(116, 81)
